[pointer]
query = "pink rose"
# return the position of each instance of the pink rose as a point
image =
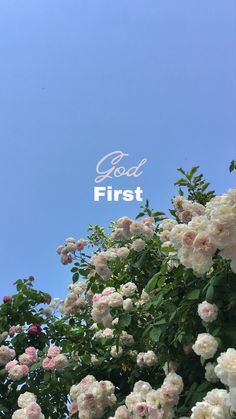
(122, 412)
(80, 244)
(25, 370)
(170, 394)
(73, 407)
(60, 362)
(49, 364)
(32, 352)
(34, 329)
(189, 237)
(33, 411)
(53, 351)
(7, 298)
(141, 409)
(96, 297)
(203, 243)
(10, 364)
(208, 312)
(155, 413)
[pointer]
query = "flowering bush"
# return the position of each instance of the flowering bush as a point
(147, 329)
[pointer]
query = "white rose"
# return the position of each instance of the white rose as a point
(19, 414)
(127, 304)
(115, 353)
(132, 400)
(122, 252)
(217, 397)
(25, 399)
(142, 387)
(115, 300)
(150, 358)
(210, 374)
(128, 289)
(70, 240)
(206, 345)
(138, 245)
(175, 381)
(204, 410)
(208, 312)
(226, 368)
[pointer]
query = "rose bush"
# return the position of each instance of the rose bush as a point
(147, 329)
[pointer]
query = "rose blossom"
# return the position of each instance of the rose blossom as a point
(226, 367)
(60, 362)
(203, 244)
(25, 359)
(53, 351)
(48, 363)
(7, 298)
(73, 407)
(128, 289)
(25, 399)
(32, 352)
(12, 330)
(11, 364)
(208, 312)
(206, 345)
(33, 411)
(34, 329)
(138, 245)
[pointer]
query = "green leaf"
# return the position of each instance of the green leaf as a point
(193, 295)
(139, 215)
(75, 277)
(152, 283)
(155, 334)
(232, 165)
(210, 294)
(124, 321)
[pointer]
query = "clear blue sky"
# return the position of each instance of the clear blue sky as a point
(79, 79)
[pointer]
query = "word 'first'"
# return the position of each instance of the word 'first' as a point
(111, 195)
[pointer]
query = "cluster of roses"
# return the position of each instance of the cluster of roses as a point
(146, 359)
(126, 228)
(203, 231)
(110, 298)
(68, 251)
(220, 403)
(217, 403)
(19, 369)
(125, 340)
(90, 398)
(145, 402)
(206, 345)
(29, 408)
(74, 300)
(54, 361)
(102, 259)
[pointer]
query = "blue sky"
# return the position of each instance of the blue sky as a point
(79, 79)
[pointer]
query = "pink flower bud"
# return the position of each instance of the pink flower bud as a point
(12, 330)
(34, 329)
(7, 298)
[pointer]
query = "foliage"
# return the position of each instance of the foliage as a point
(163, 318)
